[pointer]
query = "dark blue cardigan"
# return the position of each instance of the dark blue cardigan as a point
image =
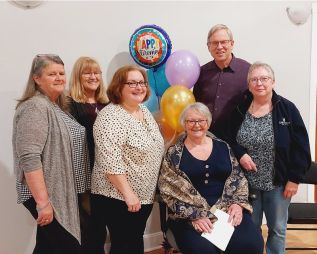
(292, 152)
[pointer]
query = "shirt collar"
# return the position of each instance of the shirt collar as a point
(232, 65)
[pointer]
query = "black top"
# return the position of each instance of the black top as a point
(209, 176)
(85, 114)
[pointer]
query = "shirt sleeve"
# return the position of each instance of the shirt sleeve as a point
(31, 135)
(230, 131)
(300, 150)
(110, 136)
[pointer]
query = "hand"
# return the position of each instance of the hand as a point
(133, 202)
(45, 215)
(247, 163)
(236, 214)
(290, 189)
(202, 225)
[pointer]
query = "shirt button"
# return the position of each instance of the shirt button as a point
(217, 96)
(206, 181)
(216, 109)
(220, 84)
(207, 166)
(207, 174)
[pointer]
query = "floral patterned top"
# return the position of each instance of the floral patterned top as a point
(257, 136)
(125, 145)
(181, 197)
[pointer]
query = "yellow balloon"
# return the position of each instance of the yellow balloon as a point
(168, 133)
(173, 102)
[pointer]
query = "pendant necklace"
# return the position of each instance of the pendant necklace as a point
(94, 106)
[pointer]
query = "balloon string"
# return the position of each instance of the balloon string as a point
(155, 88)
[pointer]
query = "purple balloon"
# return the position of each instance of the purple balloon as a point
(182, 68)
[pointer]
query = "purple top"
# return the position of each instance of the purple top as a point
(85, 114)
(221, 90)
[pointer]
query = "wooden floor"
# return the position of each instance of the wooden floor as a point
(294, 238)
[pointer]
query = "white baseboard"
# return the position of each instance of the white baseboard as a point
(151, 242)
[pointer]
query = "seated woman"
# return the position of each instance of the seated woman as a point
(200, 172)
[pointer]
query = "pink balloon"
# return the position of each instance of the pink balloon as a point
(182, 68)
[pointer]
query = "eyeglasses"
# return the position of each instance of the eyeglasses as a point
(201, 122)
(89, 74)
(262, 79)
(134, 84)
(215, 44)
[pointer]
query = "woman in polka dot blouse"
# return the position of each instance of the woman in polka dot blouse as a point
(129, 150)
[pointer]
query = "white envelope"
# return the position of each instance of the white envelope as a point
(222, 231)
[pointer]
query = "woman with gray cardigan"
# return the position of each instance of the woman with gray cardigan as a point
(49, 157)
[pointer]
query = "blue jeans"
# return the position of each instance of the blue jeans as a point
(275, 208)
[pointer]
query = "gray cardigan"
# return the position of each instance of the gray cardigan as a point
(41, 140)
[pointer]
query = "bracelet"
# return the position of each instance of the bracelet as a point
(38, 209)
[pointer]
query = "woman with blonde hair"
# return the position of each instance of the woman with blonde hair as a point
(88, 98)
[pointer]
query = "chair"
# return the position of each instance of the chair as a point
(168, 236)
(169, 240)
(304, 213)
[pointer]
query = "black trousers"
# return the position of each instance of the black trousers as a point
(88, 230)
(126, 228)
(52, 238)
(246, 238)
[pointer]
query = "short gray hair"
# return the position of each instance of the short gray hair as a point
(218, 27)
(257, 65)
(199, 108)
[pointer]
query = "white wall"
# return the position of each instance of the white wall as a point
(102, 30)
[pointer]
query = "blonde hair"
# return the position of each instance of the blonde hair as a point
(117, 83)
(77, 90)
(38, 64)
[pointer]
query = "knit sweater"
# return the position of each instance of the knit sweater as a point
(41, 140)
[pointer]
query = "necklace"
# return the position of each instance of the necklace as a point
(94, 106)
(261, 110)
(137, 113)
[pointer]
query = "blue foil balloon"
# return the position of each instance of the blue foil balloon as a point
(157, 80)
(150, 46)
(152, 103)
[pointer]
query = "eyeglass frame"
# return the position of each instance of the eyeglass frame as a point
(134, 84)
(262, 79)
(89, 74)
(200, 122)
(215, 44)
